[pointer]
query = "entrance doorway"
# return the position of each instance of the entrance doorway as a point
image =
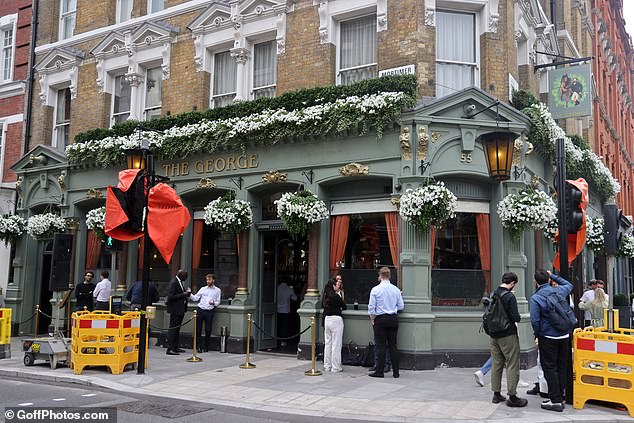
(45, 294)
(284, 260)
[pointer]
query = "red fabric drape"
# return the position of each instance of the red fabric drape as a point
(197, 244)
(167, 219)
(432, 236)
(338, 239)
(391, 222)
(93, 250)
(484, 244)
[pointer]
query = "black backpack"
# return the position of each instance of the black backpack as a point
(559, 314)
(495, 319)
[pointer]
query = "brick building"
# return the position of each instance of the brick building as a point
(15, 45)
(106, 63)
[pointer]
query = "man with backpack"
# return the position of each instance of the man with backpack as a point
(500, 318)
(552, 320)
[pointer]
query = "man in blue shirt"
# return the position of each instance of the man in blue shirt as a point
(553, 343)
(385, 301)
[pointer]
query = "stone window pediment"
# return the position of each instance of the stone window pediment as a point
(215, 17)
(151, 34)
(59, 59)
(60, 67)
(113, 44)
(257, 8)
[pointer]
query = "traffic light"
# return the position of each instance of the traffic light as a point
(113, 244)
(575, 217)
(616, 224)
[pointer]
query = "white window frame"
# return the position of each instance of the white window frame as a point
(215, 96)
(65, 124)
(7, 23)
(253, 90)
(338, 48)
(145, 109)
(150, 3)
(114, 77)
(120, 11)
(65, 15)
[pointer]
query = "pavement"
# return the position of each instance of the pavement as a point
(278, 384)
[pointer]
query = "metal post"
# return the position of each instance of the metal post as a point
(193, 358)
(610, 322)
(312, 371)
(145, 280)
(560, 161)
(248, 364)
(37, 319)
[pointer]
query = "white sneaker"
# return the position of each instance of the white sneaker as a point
(523, 384)
(479, 377)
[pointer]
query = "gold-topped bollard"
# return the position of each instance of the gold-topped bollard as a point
(248, 364)
(37, 319)
(193, 358)
(312, 371)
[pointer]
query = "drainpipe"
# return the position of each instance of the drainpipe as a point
(553, 14)
(31, 78)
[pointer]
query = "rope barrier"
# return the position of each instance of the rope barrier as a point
(175, 327)
(25, 321)
(51, 317)
(275, 337)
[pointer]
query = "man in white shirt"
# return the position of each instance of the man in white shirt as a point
(208, 298)
(284, 296)
(102, 292)
(587, 297)
(385, 301)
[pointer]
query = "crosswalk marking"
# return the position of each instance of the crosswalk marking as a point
(25, 404)
(59, 399)
(88, 395)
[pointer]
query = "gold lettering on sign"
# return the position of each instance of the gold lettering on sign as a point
(253, 161)
(199, 166)
(242, 162)
(219, 164)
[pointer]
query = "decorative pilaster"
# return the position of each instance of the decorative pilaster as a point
(242, 56)
(135, 80)
(243, 269)
(313, 256)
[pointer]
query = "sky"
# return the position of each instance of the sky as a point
(628, 14)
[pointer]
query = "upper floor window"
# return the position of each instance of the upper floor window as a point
(6, 55)
(121, 100)
(68, 10)
(154, 6)
(456, 62)
(124, 10)
(264, 69)
(62, 118)
(153, 93)
(224, 89)
(357, 49)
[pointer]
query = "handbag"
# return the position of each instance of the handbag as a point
(368, 356)
(351, 356)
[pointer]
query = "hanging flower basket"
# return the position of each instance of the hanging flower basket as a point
(428, 206)
(43, 226)
(11, 228)
(96, 220)
(626, 248)
(594, 233)
(226, 214)
(551, 228)
(526, 209)
(300, 211)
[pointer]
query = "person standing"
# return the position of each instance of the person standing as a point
(385, 302)
(176, 307)
(505, 346)
(587, 297)
(83, 293)
(596, 307)
(284, 296)
(102, 292)
(208, 298)
(553, 343)
(333, 304)
(135, 295)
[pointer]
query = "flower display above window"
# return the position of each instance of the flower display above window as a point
(226, 214)
(594, 233)
(11, 228)
(300, 211)
(96, 220)
(626, 247)
(428, 206)
(527, 208)
(43, 226)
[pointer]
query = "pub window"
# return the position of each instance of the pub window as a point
(357, 49)
(360, 244)
(121, 100)
(461, 261)
(264, 65)
(67, 18)
(456, 57)
(269, 209)
(153, 93)
(62, 118)
(216, 253)
(224, 86)
(161, 273)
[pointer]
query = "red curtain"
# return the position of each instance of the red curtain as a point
(391, 221)
(432, 235)
(338, 239)
(93, 250)
(197, 244)
(484, 244)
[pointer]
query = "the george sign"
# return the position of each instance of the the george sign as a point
(570, 91)
(403, 70)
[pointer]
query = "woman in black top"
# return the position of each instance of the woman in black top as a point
(333, 304)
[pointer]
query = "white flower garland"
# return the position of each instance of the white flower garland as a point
(96, 220)
(228, 215)
(11, 228)
(369, 104)
(428, 206)
(626, 248)
(551, 229)
(526, 209)
(43, 226)
(594, 233)
(300, 211)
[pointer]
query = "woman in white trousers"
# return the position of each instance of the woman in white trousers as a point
(333, 304)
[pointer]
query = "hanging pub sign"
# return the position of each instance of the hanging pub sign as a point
(570, 91)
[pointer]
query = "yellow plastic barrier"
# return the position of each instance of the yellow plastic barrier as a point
(5, 326)
(104, 339)
(604, 365)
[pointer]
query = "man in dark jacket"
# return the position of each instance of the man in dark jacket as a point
(176, 307)
(553, 343)
(505, 346)
(83, 293)
(135, 295)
